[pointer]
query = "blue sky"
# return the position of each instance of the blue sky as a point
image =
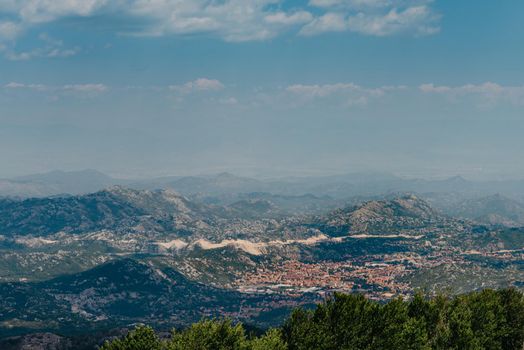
(262, 87)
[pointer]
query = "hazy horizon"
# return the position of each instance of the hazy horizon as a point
(416, 88)
(260, 175)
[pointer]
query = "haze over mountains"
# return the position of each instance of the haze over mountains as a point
(169, 251)
(241, 158)
(337, 186)
(491, 202)
(81, 252)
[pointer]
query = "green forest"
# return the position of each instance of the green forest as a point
(488, 319)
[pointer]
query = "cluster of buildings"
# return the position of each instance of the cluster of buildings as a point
(377, 278)
(380, 277)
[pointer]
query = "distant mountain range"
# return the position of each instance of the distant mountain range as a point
(406, 213)
(494, 210)
(225, 184)
(117, 208)
(56, 183)
(158, 212)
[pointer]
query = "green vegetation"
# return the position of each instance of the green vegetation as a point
(204, 335)
(480, 320)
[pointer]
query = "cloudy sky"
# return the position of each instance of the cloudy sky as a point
(262, 87)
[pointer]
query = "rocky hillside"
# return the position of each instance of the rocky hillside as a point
(57, 183)
(121, 256)
(406, 213)
(125, 292)
(118, 292)
(117, 208)
(493, 210)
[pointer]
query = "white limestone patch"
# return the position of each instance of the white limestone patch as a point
(259, 248)
(174, 244)
(363, 236)
(34, 242)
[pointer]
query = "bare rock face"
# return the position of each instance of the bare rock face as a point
(406, 213)
(36, 341)
(116, 208)
(491, 210)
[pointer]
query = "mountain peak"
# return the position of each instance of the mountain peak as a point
(385, 216)
(406, 205)
(61, 175)
(226, 175)
(65, 182)
(456, 179)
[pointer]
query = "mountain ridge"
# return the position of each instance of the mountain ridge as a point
(337, 186)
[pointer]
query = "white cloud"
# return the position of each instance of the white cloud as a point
(489, 92)
(40, 52)
(367, 5)
(350, 94)
(85, 87)
(419, 19)
(230, 20)
(24, 14)
(228, 101)
(40, 11)
(373, 17)
(80, 90)
(433, 88)
(9, 30)
(353, 3)
(206, 84)
(15, 85)
(325, 3)
(314, 91)
(330, 22)
(287, 19)
(51, 48)
(200, 84)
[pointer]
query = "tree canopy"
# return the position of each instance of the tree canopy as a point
(486, 319)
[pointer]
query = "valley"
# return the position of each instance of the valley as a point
(122, 256)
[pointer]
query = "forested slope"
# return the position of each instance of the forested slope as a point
(479, 320)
